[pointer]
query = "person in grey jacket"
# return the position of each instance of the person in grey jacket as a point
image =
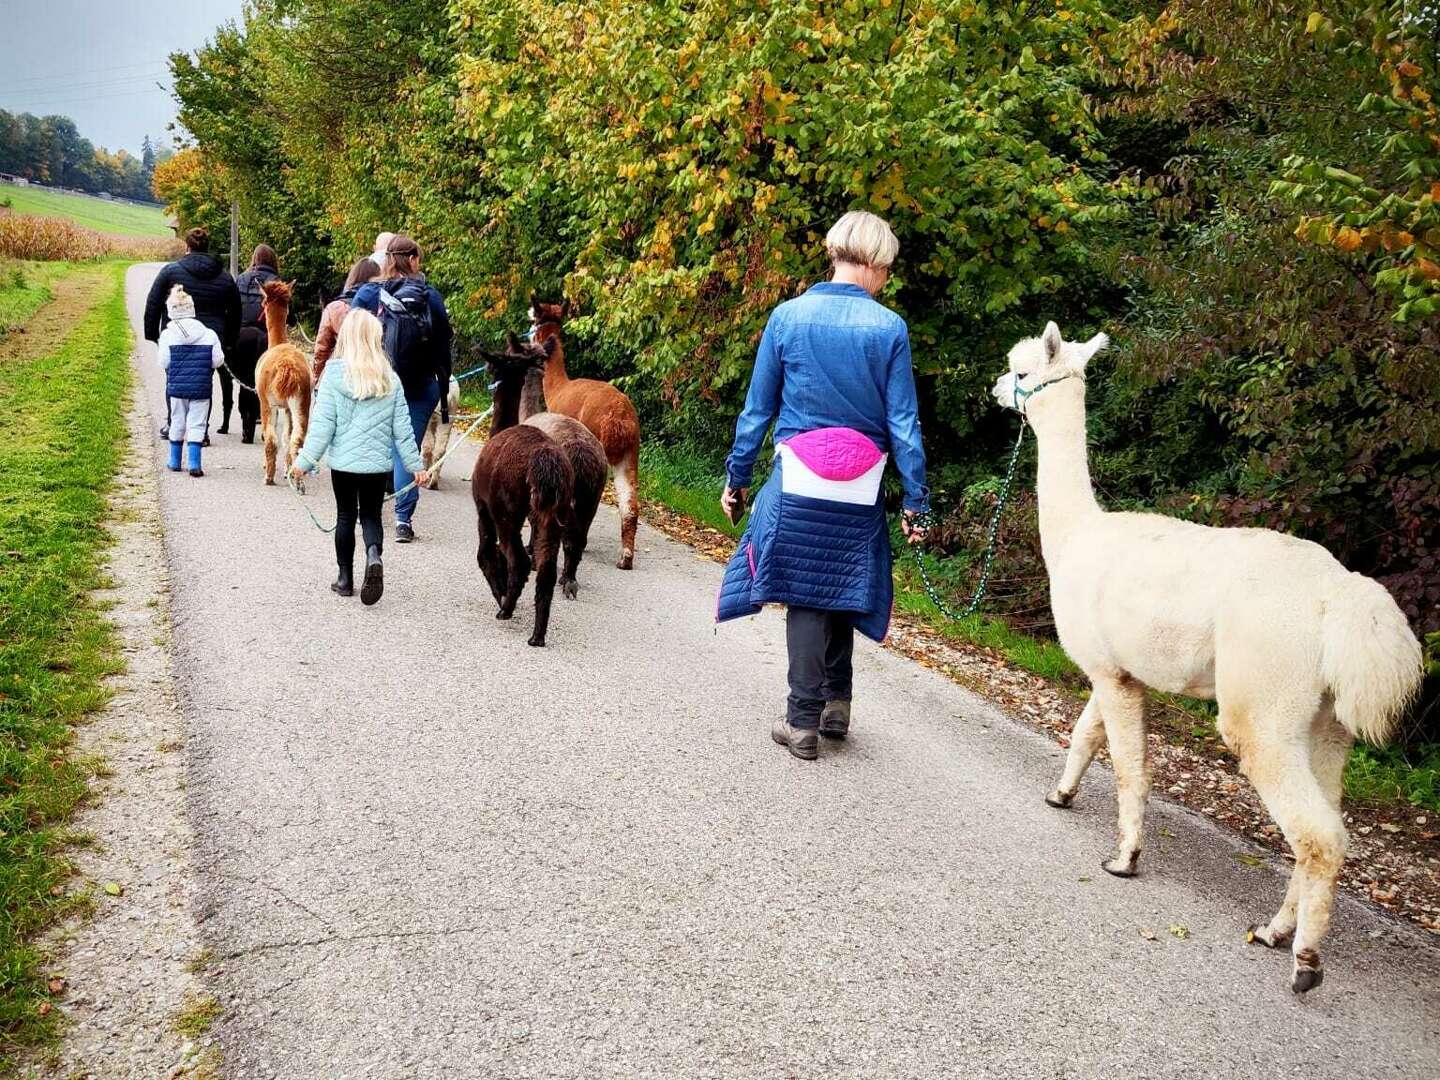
(359, 418)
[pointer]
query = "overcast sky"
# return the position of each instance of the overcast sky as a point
(97, 61)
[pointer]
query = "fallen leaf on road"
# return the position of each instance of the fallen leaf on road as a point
(1389, 828)
(1147, 933)
(1180, 931)
(113, 888)
(1248, 860)
(57, 985)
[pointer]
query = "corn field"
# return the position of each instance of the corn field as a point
(48, 239)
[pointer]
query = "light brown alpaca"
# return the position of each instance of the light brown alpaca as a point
(282, 382)
(603, 409)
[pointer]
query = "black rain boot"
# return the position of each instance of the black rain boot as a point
(345, 584)
(247, 431)
(374, 576)
(224, 428)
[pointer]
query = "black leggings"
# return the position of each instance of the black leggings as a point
(821, 646)
(362, 492)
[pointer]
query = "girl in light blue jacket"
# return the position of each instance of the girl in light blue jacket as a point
(359, 415)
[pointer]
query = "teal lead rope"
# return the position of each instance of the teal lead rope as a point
(927, 521)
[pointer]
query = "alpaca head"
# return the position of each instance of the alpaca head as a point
(519, 359)
(542, 313)
(277, 294)
(1037, 361)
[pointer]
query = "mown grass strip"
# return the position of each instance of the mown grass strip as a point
(62, 433)
(25, 287)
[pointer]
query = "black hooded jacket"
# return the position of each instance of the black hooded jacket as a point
(217, 300)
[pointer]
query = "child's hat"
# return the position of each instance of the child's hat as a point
(180, 305)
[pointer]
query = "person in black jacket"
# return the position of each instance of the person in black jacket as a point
(217, 303)
(253, 339)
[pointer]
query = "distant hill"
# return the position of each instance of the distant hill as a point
(102, 215)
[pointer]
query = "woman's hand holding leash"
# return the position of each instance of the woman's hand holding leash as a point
(909, 525)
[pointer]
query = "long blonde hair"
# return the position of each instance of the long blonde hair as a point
(367, 370)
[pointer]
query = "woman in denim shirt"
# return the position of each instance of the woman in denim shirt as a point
(833, 374)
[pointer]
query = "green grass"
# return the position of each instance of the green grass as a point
(690, 484)
(196, 1016)
(61, 436)
(25, 286)
(101, 215)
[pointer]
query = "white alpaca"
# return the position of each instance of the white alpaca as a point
(437, 434)
(1301, 655)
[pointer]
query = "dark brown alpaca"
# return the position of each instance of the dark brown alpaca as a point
(520, 474)
(603, 409)
(587, 459)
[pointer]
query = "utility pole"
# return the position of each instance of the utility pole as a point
(234, 238)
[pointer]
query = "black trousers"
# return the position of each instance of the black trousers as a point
(357, 495)
(242, 360)
(822, 647)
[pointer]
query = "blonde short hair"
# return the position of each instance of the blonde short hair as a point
(862, 238)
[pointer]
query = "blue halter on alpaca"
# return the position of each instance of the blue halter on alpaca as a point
(1022, 395)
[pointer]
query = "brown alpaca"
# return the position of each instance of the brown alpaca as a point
(587, 459)
(282, 382)
(520, 474)
(603, 409)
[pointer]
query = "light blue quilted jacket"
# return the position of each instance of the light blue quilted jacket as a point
(358, 434)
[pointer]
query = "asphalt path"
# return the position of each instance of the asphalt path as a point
(428, 850)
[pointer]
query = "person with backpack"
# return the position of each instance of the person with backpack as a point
(216, 301)
(417, 338)
(253, 339)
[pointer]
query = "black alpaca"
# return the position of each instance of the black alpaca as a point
(520, 474)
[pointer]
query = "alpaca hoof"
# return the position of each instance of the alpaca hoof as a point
(300, 487)
(269, 481)
(627, 562)
(1060, 800)
(1307, 979)
(536, 642)
(1261, 935)
(571, 589)
(503, 614)
(1121, 867)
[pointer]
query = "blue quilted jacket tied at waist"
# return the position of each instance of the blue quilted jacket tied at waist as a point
(811, 552)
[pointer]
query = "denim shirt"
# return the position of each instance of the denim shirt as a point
(834, 358)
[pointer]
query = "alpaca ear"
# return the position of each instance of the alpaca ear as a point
(1090, 348)
(549, 345)
(565, 309)
(512, 343)
(1052, 341)
(534, 301)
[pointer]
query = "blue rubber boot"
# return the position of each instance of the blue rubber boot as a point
(174, 463)
(192, 458)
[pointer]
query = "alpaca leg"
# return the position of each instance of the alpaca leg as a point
(1279, 766)
(545, 567)
(292, 437)
(1122, 710)
(517, 570)
(627, 497)
(1085, 741)
(438, 445)
(267, 421)
(492, 565)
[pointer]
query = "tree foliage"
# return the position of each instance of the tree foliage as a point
(51, 150)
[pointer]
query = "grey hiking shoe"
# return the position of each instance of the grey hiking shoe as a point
(803, 743)
(835, 719)
(403, 532)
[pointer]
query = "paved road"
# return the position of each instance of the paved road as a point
(428, 850)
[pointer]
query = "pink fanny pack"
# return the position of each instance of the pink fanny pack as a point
(835, 464)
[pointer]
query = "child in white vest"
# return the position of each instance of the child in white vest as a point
(189, 352)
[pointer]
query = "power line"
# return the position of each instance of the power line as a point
(107, 84)
(91, 71)
(91, 98)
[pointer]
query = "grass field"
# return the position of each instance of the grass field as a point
(61, 436)
(99, 214)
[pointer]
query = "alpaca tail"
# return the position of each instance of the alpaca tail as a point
(551, 480)
(1369, 659)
